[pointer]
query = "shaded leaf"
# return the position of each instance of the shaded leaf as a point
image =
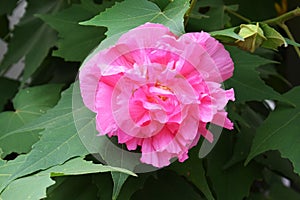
(274, 39)
(8, 89)
(132, 185)
(166, 185)
(280, 131)
(118, 179)
(193, 170)
(31, 37)
(290, 42)
(244, 137)
(29, 104)
(7, 6)
(104, 184)
(246, 81)
(234, 182)
(282, 166)
(116, 18)
(216, 17)
(76, 41)
(73, 187)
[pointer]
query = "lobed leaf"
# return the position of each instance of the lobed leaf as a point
(246, 81)
(280, 131)
(32, 38)
(29, 104)
(75, 41)
(34, 186)
(116, 18)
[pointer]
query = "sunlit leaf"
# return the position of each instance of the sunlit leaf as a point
(226, 35)
(31, 187)
(29, 104)
(59, 141)
(76, 41)
(116, 18)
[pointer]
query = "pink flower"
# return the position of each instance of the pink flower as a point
(158, 91)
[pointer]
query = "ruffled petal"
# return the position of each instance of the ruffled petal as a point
(104, 120)
(89, 77)
(216, 50)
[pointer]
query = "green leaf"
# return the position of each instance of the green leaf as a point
(227, 35)
(116, 18)
(119, 179)
(74, 166)
(216, 17)
(274, 39)
(290, 42)
(279, 191)
(280, 131)
(31, 187)
(29, 104)
(73, 187)
(244, 137)
(246, 81)
(59, 141)
(75, 41)
(166, 185)
(193, 170)
(8, 89)
(9, 168)
(31, 37)
(132, 185)
(234, 182)
(78, 166)
(104, 184)
(281, 166)
(7, 6)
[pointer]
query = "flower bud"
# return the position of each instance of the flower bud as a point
(253, 37)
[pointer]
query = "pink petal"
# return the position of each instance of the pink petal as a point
(104, 120)
(220, 119)
(144, 36)
(89, 77)
(217, 52)
(161, 141)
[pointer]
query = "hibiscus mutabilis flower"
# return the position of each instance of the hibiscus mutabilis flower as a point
(158, 91)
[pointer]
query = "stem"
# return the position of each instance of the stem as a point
(283, 18)
(238, 15)
(290, 36)
(188, 12)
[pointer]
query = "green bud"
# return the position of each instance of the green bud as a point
(253, 37)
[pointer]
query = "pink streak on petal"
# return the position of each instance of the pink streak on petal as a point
(217, 52)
